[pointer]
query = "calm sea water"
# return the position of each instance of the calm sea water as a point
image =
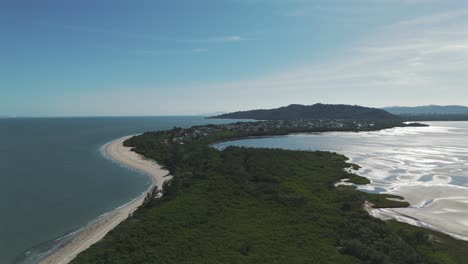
(435, 155)
(54, 179)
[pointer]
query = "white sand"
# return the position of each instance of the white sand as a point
(444, 208)
(102, 226)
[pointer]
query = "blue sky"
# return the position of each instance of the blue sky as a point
(149, 57)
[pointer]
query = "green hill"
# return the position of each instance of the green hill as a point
(316, 111)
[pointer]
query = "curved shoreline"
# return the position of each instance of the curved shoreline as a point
(442, 213)
(136, 161)
(95, 231)
(441, 209)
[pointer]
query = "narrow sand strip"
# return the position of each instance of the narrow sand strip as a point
(99, 229)
(443, 208)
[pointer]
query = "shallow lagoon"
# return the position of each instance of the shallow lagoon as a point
(435, 154)
(426, 165)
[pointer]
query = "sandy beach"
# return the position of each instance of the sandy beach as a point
(96, 231)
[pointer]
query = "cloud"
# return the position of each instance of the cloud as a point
(223, 39)
(132, 35)
(408, 2)
(416, 63)
(150, 52)
(405, 64)
(231, 38)
(167, 51)
(423, 60)
(199, 50)
(435, 18)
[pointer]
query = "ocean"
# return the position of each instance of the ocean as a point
(54, 178)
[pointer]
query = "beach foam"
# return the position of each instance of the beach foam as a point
(96, 230)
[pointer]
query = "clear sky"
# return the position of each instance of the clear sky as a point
(156, 57)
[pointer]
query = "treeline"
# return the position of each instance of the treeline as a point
(245, 205)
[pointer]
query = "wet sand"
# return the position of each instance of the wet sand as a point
(442, 208)
(96, 231)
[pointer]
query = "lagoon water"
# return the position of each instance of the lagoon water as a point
(426, 165)
(54, 179)
(437, 154)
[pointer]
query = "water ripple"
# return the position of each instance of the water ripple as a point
(426, 165)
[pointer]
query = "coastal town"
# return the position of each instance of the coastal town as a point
(183, 135)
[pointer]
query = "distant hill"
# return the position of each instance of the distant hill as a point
(316, 111)
(428, 110)
(212, 114)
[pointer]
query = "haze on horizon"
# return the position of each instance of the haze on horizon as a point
(97, 58)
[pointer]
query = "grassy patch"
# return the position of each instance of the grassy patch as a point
(387, 201)
(356, 179)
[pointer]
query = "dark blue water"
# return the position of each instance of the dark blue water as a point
(54, 179)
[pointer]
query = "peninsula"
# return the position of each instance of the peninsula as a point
(263, 205)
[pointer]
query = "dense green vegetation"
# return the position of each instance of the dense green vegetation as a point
(436, 247)
(245, 205)
(356, 179)
(316, 111)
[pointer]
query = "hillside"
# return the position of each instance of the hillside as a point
(316, 111)
(428, 110)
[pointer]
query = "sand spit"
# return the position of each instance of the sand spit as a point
(96, 231)
(442, 208)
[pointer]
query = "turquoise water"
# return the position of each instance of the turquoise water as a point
(54, 179)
